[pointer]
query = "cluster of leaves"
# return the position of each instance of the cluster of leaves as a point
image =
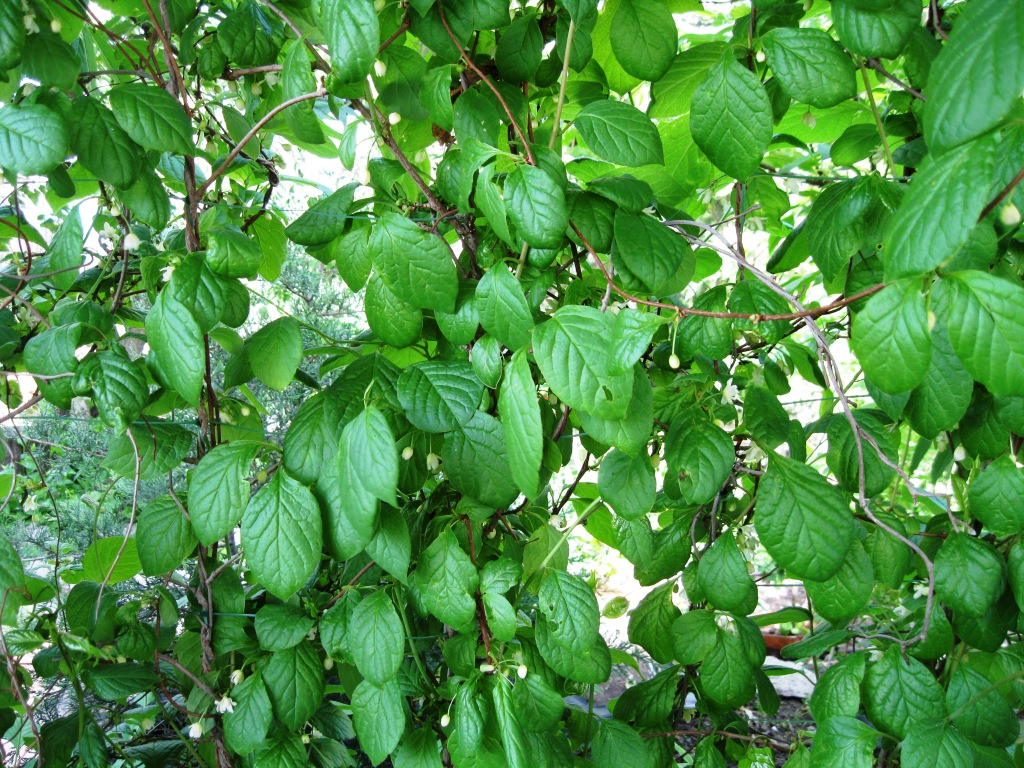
(560, 242)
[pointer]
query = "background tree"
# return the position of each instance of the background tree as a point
(592, 237)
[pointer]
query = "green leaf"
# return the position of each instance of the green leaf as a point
(810, 66)
(325, 220)
(249, 36)
(620, 133)
(116, 682)
(378, 640)
(970, 574)
(572, 350)
(651, 622)
(439, 396)
(195, 286)
(802, 520)
(232, 253)
(353, 35)
(475, 460)
(986, 329)
(987, 46)
(940, 210)
(643, 37)
(165, 537)
(379, 716)
(275, 351)
(519, 51)
(12, 34)
(509, 728)
(844, 742)
(873, 28)
(447, 580)
(119, 386)
(891, 337)
(708, 336)
(838, 690)
(161, 448)
(567, 629)
(100, 144)
(502, 308)
(726, 674)
(997, 497)
(694, 635)
(176, 344)
(629, 434)
(220, 487)
(279, 627)
(934, 744)
(627, 483)
(731, 117)
(536, 206)
(152, 118)
(520, 417)
(111, 560)
(979, 710)
(845, 594)
(391, 546)
(941, 399)
(722, 574)
(294, 679)
(268, 232)
(33, 139)
(845, 460)
(420, 749)
(297, 79)
(701, 454)
(414, 264)
(394, 320)
(661, 259)
(369, 457)
(147, 199)
(281, 535)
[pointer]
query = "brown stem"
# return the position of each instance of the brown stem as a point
(1003, 193)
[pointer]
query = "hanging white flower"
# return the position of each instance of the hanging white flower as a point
(195, 731)
(237, 677)
(225, 704)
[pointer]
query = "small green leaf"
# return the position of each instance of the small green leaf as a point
(439, 396)
(101, 145)
(177, 347)
(620, 133)
(891, 337)
(838, 690)
(152, 117)
(281, 535)
(731, 117)
(644, 39)
(651, 622)
(165, 536)
(326, 218)
(810, 66)
(502, 308)
(414, 264)
(394, 320)
(997, 497)
(279, 627)
(970, 574)
(475, 460)
(934, 744)
(877, 29)
(111, 560)
(378, 640)
(294, 679)
(979, 710)
(33, 139)
(702, 455)
(379, 716)
(520, 416)
(722, 574)
(844, 742)
(520, 49)
(627, 483)
(661, 259)
(846, 593)
(232, 253)
(369, 456)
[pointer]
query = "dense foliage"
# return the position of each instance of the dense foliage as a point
(592, 237)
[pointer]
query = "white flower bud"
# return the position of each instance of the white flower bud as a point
(195, 731)
(959, 454)
(407, 452)
(1009, 215)
(673, 361)
(148, 724)
(257, 89)
(271, 79)
(245, 410)
(809, 119)
(522, 671)
(433, 462)
(486, 668)
(55, 26)
(328, 663)
(305, 738)
(237, 677)
(445, 720)
(132, 242)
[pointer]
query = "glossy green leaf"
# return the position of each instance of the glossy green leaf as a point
(643, 38)
(810, 66)
(536, 206)
(979, 710)
(439, 396)
(177, 346)
(475, 460)
(414, 264)
(661, 259)
(231, 253)
(353, 34)
(447, 580)
(219, 490)
(275, 351)
(502, 308)
(33, 139)
(934, 744)
(281, 535)
(520, 416)
(627, 483)
(872, 28)
(325, 220)
(379, 715)
(620, 133)
(969, 574)
(294, 679)
(164, 536)
(846, 593)
(378, 642)
(279, 627)
(152, 117)
(702, 455)
(111, 560)
(997, 497)
(101, 145)
(891, 337)
(722, 574)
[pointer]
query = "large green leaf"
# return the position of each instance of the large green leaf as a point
(722, 574)
(378, 640)
(934, 744)
(33, 139)
(353, 34)
(986, 329)
(838, 690)
(803, 521)
(620, 133)
(219, 490)
(249, 36)
(673, 92)
(414, 264)
(326, 218)
(502, 308)
(844, 742)
(176, 344)
(281, 626)
(942, 397)
(247, 725)
(627, 483)
(439, 396)
(447, 580)
(12, 34)
(846, 593)
(567, 629)
(536, 206)
(970, 574)
(891, 337)
(394, 320)
(701, 454)
(101, 144)
(520, 417)
(874, 28)
(164, 536)
(295, 681)
(297, 79)
(731, 117)
(986, 47)
(475, 460)
(281, 535)
(846, 460)
(940, 210)
(644, 39)
(369, 457)
(997, 497)
(810, 66)
(979, 710)
(628, 434)
(119, 386)
(111, 560)
(152, 118)
(379, 715)
(661, 259)
(232, 253)
(275, 351)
